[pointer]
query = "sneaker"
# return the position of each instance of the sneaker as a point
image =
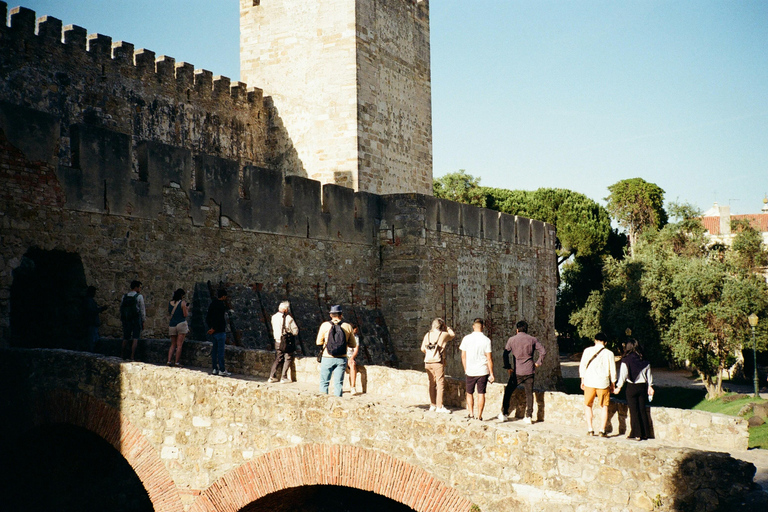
(169, 363)
(271, 380)
(215, 372)
(527, 420)
(285, 381)
(178, 365)
(224, 373)
(443, 410)
(501, 417)
(353, 391)
(602, 434)
(590, 432)
(432, 408)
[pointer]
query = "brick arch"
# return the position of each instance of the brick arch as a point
(98, 417)
(319, 464)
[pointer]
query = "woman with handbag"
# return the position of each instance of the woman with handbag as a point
(433, 347)
(284, 330)
(177, 327)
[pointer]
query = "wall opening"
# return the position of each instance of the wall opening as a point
(68, 469)
(47, 300)
(324, 498)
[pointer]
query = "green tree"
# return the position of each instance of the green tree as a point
(583, 226)
(748, 245)
(636, 205)
(460, 187)
(710, 322)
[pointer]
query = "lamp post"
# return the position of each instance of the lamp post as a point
(753, 324)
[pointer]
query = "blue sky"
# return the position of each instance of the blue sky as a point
(545, 93)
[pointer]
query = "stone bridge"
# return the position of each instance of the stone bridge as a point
(201, 443)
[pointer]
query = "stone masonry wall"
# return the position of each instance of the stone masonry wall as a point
(504, 271)
(302, 53)
(82, 78)
(676, 427)
(394, 96)
(351, 80)
(115, 170)
(201, 428)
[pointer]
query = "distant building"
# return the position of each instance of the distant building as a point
(717, 221)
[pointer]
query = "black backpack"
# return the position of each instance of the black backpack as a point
(129, 308)
(337, 340)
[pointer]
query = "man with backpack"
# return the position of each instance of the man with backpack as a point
(334, 336)
(133, 314)
(284, 330)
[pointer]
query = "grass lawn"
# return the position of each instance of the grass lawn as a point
(758, 436)
(687, 398)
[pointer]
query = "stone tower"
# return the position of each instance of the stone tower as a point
(351, 83)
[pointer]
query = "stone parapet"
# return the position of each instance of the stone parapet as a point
(676, 427)
(215, 438)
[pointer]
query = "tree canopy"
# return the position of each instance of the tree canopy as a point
(680, 298)
(583, 226)
(636, 204)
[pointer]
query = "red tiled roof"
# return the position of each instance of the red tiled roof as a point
(757, 220)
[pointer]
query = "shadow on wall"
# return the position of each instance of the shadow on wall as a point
(282, 154)
(47, 296)
(698, 485)
(69, 469)
(253, 307)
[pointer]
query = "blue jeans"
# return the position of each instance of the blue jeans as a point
(217, 351)
(335, 366)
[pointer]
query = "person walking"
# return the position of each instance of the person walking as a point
(92, 320)
(522, 346)
(597, 371)
(217, 329)
(177, 326)
(478, 366)
(133, 315)
(336, 337)
(636, 372)
(433, 346)
(283, 324)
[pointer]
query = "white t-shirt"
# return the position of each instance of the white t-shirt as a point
(476, 345)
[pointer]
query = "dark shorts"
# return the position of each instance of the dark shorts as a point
(481, 382)
(132, 330)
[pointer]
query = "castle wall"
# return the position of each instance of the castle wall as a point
(302, 53)
(112, 178)
(394, 96)
(458, 262)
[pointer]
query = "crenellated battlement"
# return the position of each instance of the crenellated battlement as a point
(89, 79)
(48, 34)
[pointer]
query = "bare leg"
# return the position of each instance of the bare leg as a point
(588, 416)
(605, 418)
(179, 343)
(174, 340)
(480, 405)
(352, 373)
(470, 405)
